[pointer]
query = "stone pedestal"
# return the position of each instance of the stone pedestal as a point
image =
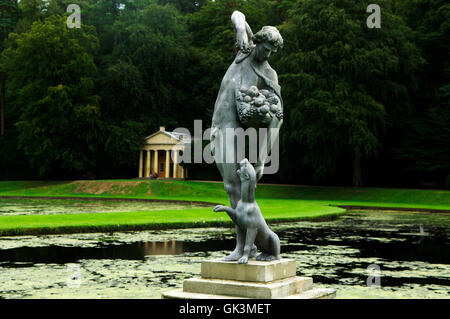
(257, 279)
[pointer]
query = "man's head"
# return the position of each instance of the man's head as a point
(267, 40)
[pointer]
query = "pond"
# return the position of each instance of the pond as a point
(30, 206)
(411, 251)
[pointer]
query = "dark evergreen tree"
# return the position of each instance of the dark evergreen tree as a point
(342, 83)
(9, 12)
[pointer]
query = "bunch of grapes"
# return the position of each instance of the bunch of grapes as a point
(256, 108)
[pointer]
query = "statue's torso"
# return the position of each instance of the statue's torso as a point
(239, 75)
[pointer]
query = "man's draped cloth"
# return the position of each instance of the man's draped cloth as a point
(269, 82)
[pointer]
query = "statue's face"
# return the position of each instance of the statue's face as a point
(246, 171)
(263, 51)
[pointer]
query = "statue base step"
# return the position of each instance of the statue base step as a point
(257, 271)
(317, 293)
(256, 279)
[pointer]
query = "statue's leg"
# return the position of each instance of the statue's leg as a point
(271, 249)
(232, 186)
(233, 215)
(231, 182)
(272, 134)
(239, 249)
(249, 241)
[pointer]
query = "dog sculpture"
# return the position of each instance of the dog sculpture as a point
(247, 215)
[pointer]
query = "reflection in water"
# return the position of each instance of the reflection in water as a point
(63, 255)
(131, 251)
(411, 250)
(163, 248)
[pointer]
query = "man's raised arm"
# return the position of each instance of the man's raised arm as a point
(243, 32)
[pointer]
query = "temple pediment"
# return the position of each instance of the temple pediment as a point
(161, 138)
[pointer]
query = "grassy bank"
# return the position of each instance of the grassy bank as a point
(162, 219)
(214, 192)
(277, 202)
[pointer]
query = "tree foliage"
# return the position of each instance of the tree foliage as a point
(51, 70)
(355, 98)
(342, 81)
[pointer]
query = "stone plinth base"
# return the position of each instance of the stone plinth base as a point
(257, 279)
(257, 271)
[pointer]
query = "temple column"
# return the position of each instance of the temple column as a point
(147, 165)
(141, 155)
(167, 169)
(155, 162)
(175, 164)
(182, 172)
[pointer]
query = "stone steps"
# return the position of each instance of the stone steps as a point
(261, 280)
(271, 290)
(317, 293)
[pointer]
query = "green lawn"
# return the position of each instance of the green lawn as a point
(276, 210)
(277, 202)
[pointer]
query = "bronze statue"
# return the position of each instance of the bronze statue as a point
(249, 97)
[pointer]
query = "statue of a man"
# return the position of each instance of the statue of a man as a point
(250, 70)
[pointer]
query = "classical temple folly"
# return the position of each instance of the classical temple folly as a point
(155, 155)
